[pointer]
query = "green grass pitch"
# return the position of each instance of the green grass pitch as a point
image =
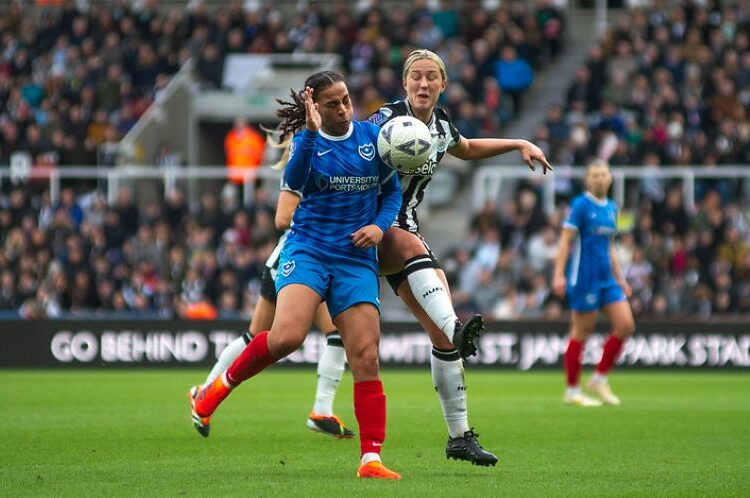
(127, 433)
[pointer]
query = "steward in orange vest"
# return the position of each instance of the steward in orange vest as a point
(243, 147)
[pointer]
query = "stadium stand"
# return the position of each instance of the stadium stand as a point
(665, 87)
(76, 80)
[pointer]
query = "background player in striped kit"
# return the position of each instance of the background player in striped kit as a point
(350, 200)
(594, 281)
(332, 360)
(410, 267)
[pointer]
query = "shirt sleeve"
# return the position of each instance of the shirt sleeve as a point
(380, 116)
(299, 163)
(390, 197)
(284, 187)
(576, 217)
(455, 135)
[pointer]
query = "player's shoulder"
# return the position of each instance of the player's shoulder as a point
(366, 130)
(579, 201)
(442, 114)
(366, 126)
(388, 111)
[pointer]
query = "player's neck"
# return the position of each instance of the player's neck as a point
(596, 198)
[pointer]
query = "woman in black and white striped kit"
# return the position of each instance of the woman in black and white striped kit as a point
(407, 262)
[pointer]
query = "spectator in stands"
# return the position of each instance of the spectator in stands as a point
(515, 76)
(127, 211)
(244, 147)
(713, 129)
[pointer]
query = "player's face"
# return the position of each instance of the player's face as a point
(598, 180)
(335, 109)
(423, 85)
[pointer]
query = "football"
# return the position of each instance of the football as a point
(404, 144)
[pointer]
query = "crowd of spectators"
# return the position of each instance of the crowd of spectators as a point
(75, 77)
(665, 87)
(490, 53)
(73, 82)
(83, 257)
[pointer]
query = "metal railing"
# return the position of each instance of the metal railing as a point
(488, 180)
(113, 178)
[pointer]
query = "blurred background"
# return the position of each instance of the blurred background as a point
(133, 172)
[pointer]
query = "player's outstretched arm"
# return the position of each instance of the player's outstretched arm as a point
(483, 148)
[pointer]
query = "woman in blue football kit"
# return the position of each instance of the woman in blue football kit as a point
(594, 281)
(332, 360)
(350, 198)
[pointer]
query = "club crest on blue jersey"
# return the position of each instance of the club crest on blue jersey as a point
(321, 180)
(367, 151)
(287, 268)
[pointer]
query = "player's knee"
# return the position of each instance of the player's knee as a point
(439, 340)
(364, 361)
(412, 265)
(404, 245)
(284, 343)
(625, 329)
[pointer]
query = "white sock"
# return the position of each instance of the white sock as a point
(432, 296)
(230, 353)
(573, 391)
(370, 457)
(330, 371)
(448, 379)
(598, 378)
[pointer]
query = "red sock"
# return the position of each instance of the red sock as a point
(612, 348)
(369, 408)
(253, 359)
(573, 362)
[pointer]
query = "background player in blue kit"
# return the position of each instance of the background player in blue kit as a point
(594, 281)
(350, 198)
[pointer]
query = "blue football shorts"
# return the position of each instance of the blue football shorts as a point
(342, 281)
(590, 298)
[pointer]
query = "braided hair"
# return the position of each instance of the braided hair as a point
(293, 114)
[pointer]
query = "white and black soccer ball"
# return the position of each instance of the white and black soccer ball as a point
(404, 144)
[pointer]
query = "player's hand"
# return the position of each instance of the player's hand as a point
(531, 153)
(558, 285)
(313, 120)
(367, 236)
(626, 287)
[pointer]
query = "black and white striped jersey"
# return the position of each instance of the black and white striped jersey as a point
(445, 135)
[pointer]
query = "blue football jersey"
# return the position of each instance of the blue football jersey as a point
(595, 220)
(340, 179)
